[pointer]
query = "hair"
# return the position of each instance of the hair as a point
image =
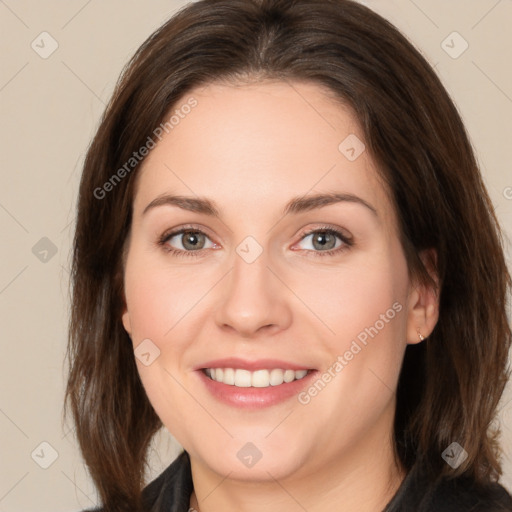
(451, 383)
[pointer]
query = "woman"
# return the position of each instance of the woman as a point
(285, 255)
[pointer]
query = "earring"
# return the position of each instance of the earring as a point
(420, 335)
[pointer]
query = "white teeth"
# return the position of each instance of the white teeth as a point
(276, 377)
(229, 376)
(260, 379)
(289, 375)
(300, 373)
(242, 379)
(256, 379)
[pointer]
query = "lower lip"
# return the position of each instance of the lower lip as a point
(255, 398)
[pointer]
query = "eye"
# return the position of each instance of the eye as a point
(326, 241)
(186, 242)
(190, 242)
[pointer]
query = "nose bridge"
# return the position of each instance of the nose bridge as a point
(252, 297)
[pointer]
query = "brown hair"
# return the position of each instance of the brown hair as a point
(450, 384)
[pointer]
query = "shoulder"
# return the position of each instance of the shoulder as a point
(170, 491)
(460, 494)
(465, 495)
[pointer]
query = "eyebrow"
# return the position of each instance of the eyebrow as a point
(295, 206)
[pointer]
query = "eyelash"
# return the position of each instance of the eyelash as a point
(165, 237)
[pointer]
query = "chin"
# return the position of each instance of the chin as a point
(256, 460)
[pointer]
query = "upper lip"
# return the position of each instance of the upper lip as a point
(257, 364)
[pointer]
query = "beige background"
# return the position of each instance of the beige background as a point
(50, 108)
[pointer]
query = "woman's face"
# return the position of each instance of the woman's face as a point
(270, 281)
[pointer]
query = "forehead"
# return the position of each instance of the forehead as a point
(251, 146)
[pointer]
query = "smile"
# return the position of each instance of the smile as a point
(253, 384)
(256, 379)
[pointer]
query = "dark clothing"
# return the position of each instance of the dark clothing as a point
(170, 492)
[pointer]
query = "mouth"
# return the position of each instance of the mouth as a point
(256, 379)
(253, 385)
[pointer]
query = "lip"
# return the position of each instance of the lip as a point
(243, 364)
(254, 398)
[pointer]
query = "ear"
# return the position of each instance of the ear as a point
(423, 302)
(127, 322)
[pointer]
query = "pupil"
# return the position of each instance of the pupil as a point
(322, 239)
(191, 240)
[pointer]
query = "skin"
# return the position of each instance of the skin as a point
(251, 148)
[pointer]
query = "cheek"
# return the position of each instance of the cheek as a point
(159, 298)
(161, 303)
(365, 295)
(364, 304)
(166, 305)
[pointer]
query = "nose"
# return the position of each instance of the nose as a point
(253, 300)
